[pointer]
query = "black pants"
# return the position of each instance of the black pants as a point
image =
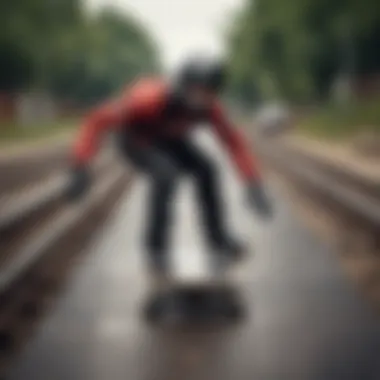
(164, 162)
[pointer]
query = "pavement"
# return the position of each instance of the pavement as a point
(306, 320)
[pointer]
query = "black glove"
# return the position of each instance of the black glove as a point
(257, 198)
(79, 183)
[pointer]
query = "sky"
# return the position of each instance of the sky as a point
(181, 27)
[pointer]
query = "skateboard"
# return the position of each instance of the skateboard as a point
(209, 298)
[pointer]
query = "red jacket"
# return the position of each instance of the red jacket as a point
(141, 110)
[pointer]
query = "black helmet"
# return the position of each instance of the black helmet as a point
(207, 73)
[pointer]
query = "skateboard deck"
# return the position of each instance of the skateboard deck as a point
(205, 297)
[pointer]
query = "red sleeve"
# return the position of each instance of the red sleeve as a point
(236, 144)
(95, 125)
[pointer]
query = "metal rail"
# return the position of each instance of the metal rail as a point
(18, 206)
(343, 189)
(44, 239)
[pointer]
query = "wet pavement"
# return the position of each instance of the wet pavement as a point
(306, 320)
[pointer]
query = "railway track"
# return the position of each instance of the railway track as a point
(352, 197)
(29, 167)
(41, 235)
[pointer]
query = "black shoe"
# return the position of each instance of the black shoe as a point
(226, 253)
(230, 247)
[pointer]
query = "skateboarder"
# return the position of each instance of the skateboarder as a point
(153, 120)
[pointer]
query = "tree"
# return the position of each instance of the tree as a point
(295, 49)
(57, 47)
(29, 31)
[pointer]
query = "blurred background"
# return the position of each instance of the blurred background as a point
(58, 58)
(316, 59)
(304, 85)
(317, 56)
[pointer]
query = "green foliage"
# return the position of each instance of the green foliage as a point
(56, 46)
(295, 49)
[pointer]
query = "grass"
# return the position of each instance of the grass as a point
(337, 123)
(14, 133)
